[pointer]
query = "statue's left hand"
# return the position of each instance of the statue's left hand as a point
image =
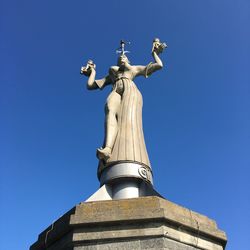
(158, 47)
(86, 70)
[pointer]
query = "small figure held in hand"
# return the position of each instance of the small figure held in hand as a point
(88, 68)
(158, 47)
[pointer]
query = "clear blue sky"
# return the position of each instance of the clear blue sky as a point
(196, 110)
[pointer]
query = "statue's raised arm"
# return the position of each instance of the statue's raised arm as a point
(146, 71)
(90, 72)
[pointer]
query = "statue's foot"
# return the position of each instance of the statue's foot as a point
(103, 153)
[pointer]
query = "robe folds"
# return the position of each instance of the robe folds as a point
(129, 143)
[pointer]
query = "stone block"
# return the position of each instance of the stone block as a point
(139, 223)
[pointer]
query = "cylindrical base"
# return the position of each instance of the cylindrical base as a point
(126, 179)
(125, 189)
(122, 170)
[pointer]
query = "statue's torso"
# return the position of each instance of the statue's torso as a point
(116, 73)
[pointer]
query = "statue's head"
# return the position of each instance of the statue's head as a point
(122, 59)
(156, 40)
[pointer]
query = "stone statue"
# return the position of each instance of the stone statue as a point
(124, 140)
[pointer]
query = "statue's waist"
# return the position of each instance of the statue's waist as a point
(120, 78)
(119, 84)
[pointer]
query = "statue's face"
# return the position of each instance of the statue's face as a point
(156, 40)
(122, 60)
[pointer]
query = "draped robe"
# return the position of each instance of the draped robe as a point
(129, 145)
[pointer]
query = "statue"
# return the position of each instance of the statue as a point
(124, 140)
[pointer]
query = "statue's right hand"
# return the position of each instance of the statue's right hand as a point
(86, 70)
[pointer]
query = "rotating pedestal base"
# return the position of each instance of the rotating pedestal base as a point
(124, 180)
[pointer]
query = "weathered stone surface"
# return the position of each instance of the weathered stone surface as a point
(140, 223)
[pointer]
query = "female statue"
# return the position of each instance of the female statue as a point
(124, 140)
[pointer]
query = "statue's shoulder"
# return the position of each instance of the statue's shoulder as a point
(113, 70)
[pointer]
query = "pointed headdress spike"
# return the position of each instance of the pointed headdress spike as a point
(121, 50)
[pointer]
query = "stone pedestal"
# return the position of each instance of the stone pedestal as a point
(139, 223)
